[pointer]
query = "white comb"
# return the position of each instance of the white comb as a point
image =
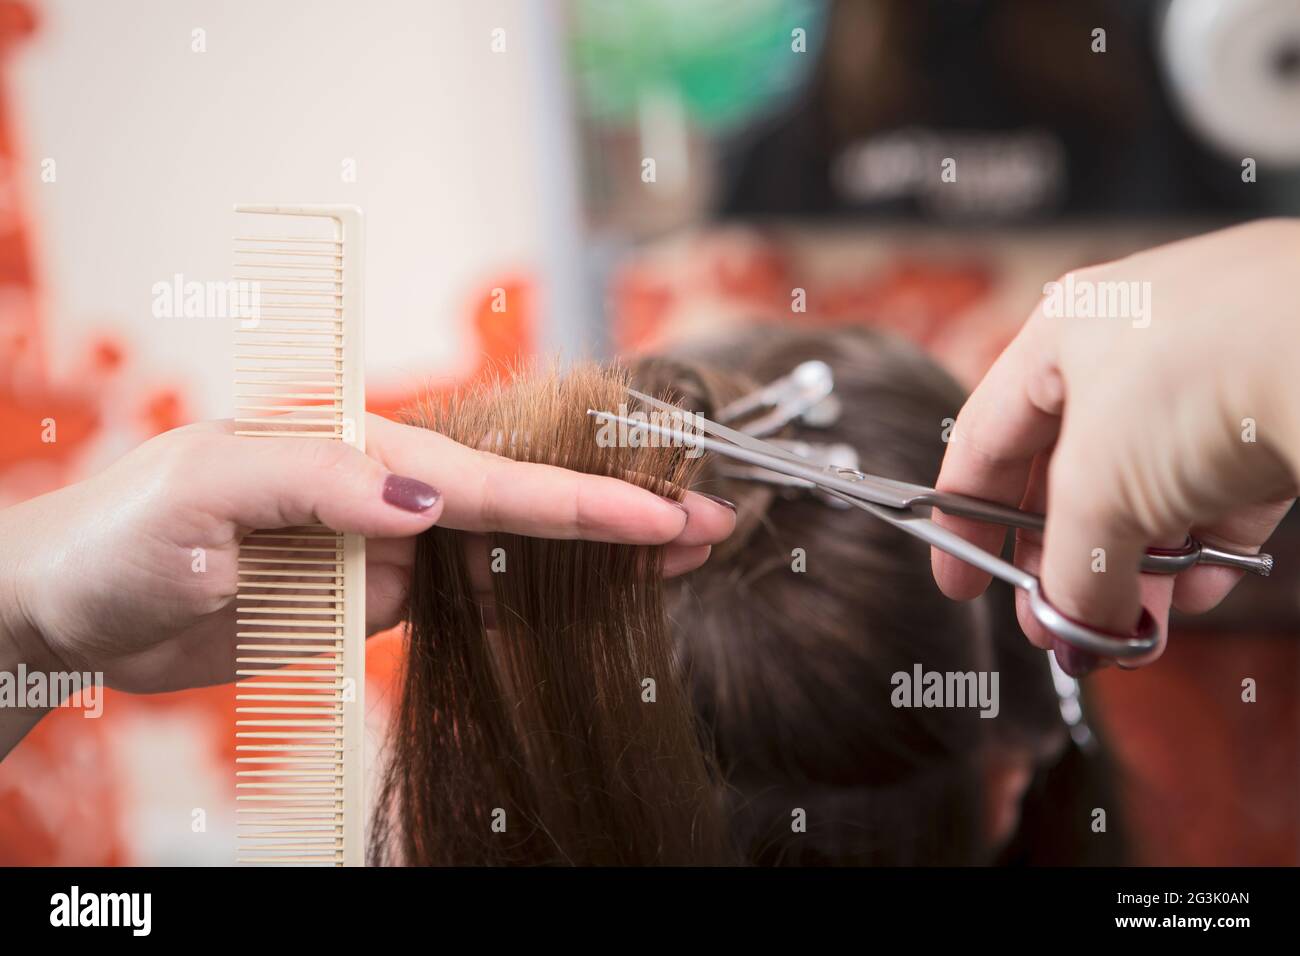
(300, 655)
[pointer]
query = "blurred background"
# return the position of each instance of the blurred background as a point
(592, 178)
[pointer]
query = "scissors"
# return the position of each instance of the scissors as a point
(905, 506)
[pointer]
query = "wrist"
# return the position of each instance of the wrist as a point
(20, 642)
(23, 650)
(23, 578)
(22, 654)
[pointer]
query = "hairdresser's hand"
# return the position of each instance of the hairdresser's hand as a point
(104, 575)
(1133, 430)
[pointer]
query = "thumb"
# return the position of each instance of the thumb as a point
(1092, 546)
(268, 482)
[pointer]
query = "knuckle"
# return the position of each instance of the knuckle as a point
(1100, 497)
(1086, 487)
(177, 454)
(326, 456)
(490, 478)
(583, 513)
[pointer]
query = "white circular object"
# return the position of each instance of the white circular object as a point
(1234, 67)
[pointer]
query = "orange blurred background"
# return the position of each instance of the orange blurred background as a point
(145, 180)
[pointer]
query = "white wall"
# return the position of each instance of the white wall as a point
(154, 143)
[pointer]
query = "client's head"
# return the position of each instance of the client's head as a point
(812, 635)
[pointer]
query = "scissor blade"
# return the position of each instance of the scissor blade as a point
(782, 463)
(695, 420)
(924, 528)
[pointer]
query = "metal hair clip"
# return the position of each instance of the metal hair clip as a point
(907, 507)
(805, 394)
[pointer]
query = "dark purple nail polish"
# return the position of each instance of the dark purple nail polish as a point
(1073, 661)
(680, 507)
(409, 494)
(722, 501)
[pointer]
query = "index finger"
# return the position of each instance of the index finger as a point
(485, 492)
(1013, 414)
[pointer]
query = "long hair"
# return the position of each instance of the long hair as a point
(746, 713)
(563, 734)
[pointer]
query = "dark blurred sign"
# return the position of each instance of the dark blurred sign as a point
(1011, 110)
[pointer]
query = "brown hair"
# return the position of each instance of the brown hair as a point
(773, 683)
(547, 724)
(791, 670)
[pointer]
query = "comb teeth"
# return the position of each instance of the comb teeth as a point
(289, 361)
(290, 707)
(300, 597)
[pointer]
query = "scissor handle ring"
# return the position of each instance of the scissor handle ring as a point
(1172, 560)
(1143, 640)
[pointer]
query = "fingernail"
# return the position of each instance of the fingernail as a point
(1073, 661)
(722, 501)
(409, 494)
(680, 507)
